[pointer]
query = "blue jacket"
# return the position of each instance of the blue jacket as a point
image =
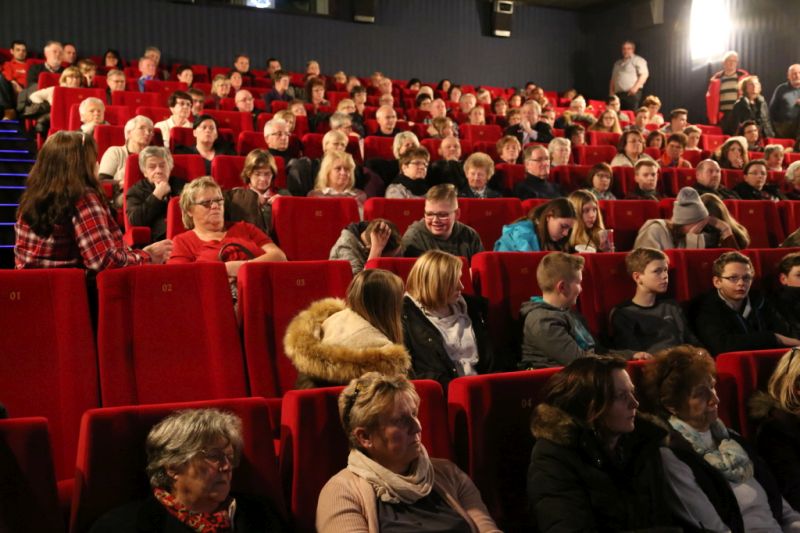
(518, 237)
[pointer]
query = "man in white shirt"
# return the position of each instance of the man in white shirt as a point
(628, 77)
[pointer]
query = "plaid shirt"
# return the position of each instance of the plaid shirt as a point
(92, 241)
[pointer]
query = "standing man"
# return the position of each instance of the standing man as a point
(723, 91)
(784, 107)
(628, 77)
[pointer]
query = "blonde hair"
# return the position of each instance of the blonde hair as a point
(555, 267)
(792, 175)
(400, 139)
(333, 135)
(481, 161)
(580, 234)
(713, 202)
(330, 159)
(433, 277)
(68, 72)
(365, 399)
(782, 386)
(377, 296)
(188, 194)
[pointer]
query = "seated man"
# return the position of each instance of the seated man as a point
(92, 112)
(148, 68)
(649, 322)
(786, 297)
(707, 180)
(645, 174)
(448, 168)
(185, 74)
(180, 104)
(530, 128)
(277, 135)
(673, 152)
(554, 334)
(731, 317)
(115, 81)
(245, 103)
(198, 101)
(678, 120)
(15, 70)
(439, 229)
(537, 174)
(242, 65)
(437, 109)
(52, 64)
(387, 121)
(280, 89)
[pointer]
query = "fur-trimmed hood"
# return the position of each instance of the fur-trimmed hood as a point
(358, 348)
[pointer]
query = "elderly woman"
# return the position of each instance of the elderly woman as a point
(336, 178)
(773, 154)
(752, 106)
(595, 465)
(792, 177)
(445, 330)
(63, 219)
(335, 341)
(253, 202)
(207, 143)
(191, 456)
(720, 483)
(180, 105)
(146, 201)
(388, 169)
(509, 150)
(411, 182)
(361, 241)
(138, 134)
(390, 483)
(476, 116)
(755, 186)
(212, 239)
(560, 150)
(629, 150)
(599, 180)
(92, 112)
(478, 168)
(732, 154)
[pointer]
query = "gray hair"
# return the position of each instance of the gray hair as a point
(400, 139)
(793, 172)
(188, 194)
(132, 123)
(269, 127)
(156, 151)
(729, 54)
(771, 148)
(558, 141)
(91, 100)
(183, 435)
(340, 120)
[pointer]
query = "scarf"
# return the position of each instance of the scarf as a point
(417, 187)
(217, 522)
(390, 487)
(728, 456)
(459, 337)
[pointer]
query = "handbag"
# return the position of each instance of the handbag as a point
(239, 248)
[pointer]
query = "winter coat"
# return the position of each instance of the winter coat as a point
(518, 237)
(549, 336)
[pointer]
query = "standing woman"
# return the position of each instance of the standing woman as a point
(752, 106)
(444, 330)
(63, 219)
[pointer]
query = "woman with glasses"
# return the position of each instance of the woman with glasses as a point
(630, 150)
(755, 186)
(207, 143)
(191, 456)
(719, 482)
(411, 182)
(210, 238)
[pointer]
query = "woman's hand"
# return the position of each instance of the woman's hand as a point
(723, 227)
(233, 268)
(159, 251)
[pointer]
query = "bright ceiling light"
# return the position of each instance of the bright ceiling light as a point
(710, 27)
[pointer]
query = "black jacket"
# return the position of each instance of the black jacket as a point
(575, 485)
(786, 301)
(443, 171)
(778, 442)
(758, 111)
(748, 192)
(535, 187)
(543, 130)
(721, 329)
(144, 209)
(467, 192)
(424, 342)
(723, 192)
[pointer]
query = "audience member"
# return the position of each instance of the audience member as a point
(448, 168)
(653, 105)
(220, 89)
(645, 174)
(389, 169)
(361, 241)
(545, 227)
(15, 70)
(198, 101)
(783, 109)
(576, 134)
(478, 168)
(755, 186)
(112, 59)
(92, 112)
(773, 155)
(185, 74)
(673, 152)
(575, 113)
(530, 128)
(180, 105)
(386, 117)
(732, 155)
(589, 233)
(411, 182)
(656, 139)
(336, 178)
(599, 180)
(608, 122)
(537, 173)
(148, 69)
(52, 64)
(750, 131)
(628, 77)
(560, 152)
(693, 134)
(723, 91)
(207, 142)
(786, 296)
(630, 150)
(508, 150)
(245, 103)
(138, 134)
(253, 202)
(707, 180)
(717, 209)
(277, 135)
(792, 177)
(678, 120)
(39, 102)
(751, 106)
(613, 103)
(115, 81)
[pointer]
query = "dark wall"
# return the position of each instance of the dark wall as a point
(428, 39)
(764, 32)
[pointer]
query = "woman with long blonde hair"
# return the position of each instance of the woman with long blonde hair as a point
(589, 233)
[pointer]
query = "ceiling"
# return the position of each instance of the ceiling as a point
(570, 5)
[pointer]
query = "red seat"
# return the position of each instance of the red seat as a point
(761, 219)
(30, 500)
(107, 136)
(134, 99)
(678, 179)
(693, 156)
(174, 218)
(711, 142)
(48, 79)
(604, 138)
(693, 271)
(307, 228)
(371, 125)
(765, 263)
(249, 141)
(490, 425)
(572, 177)
(786, 143)
(378, 148)
(270, 295)
(310, 417)
(606, 283)
(626, 217)
(154, 113)
(790, 215)
(533, 203)
(111, 460)
(115, 115)
(157, 322)
(402, 211)
(63, 98)
(487, 216)
(731, 177)
(235, 121)
(227, 170)
(506, 279)
(490, 132)
(402, 267)
(488, 148)
(591, 155)
(164, 88)
(510, 175)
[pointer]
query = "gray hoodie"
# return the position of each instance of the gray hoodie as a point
(550, 336)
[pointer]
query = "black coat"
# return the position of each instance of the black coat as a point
(425, 343)
(778, 442)
(535, 187)
(758, 111)
(748, 192)
(144, 209)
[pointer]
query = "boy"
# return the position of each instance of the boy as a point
(645, 173)
(673, 152)
(648, 322)
(693, 134)
(553, 334)
(787, 295)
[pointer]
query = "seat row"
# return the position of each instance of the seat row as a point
(483, 425)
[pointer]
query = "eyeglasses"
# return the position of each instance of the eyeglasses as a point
(419, 164)
(440, 216)
(279, 134)
(208, 203)
(736, 279)
(540, 160)
(218, 458)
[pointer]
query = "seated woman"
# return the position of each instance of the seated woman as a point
(112, 59)
(207, 142)
(92, 112)
(755, 186)
(336, 178)
(191, 455)
(732, 154)
(777, 412)
(752, 106)
(656, 139)
(390, 483)
(442, 127)
(688, 228)
(599, 179)
(138, 134)
(146, 201)
(445, 330)
(589, 234)
(693, 134)
(301, 173)
(39, 102)
(773, 155)
(717, 209)
(629, 150)
(348, 106)
(608, 122)
(361, 241)
(63, 218)
(253, 202)
(560, 151)
(220, 88)
(180, 105)
(792, 177)
(334, 341)
(477, 116)
(388, 169)
(210, 238)
(236, 80)
(545, 227)
(721, 485)
(595, 464)
(411, 182)
(509, 150)
(499, 109)
(653, 105)
(478, 168)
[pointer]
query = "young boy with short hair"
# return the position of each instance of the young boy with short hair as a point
(649, 322)
(786, 297)
(645, 173)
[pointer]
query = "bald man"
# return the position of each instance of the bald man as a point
(784, 107)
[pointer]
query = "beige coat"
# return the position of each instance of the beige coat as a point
(347, 502)
(656, 234)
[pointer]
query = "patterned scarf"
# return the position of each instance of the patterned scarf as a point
(217, 522)
(391, 487)
(728, 457)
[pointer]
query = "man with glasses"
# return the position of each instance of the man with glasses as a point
(537, 173)
(731, 317)
(245, 103)
(277, 134)
(439, 228)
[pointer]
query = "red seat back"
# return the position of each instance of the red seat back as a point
(487, 216)
(489, 132)
(107, 136)
(765, 264)
(402, 211)
(49, 369)
(157, 322)
(711, 142)
(227, 170)
(626, 217)
(63, 98)
(591, 155)
(134, 99)
(307, 228)
(402, 267)
(606, 138)
(114, 115)
(761, 219)
(249, 141)
(378, 148)
(154, 113)
(164, 88)
(693, 271)
(235, 121)
(510, 175)
(270, 295)
(606, 283)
